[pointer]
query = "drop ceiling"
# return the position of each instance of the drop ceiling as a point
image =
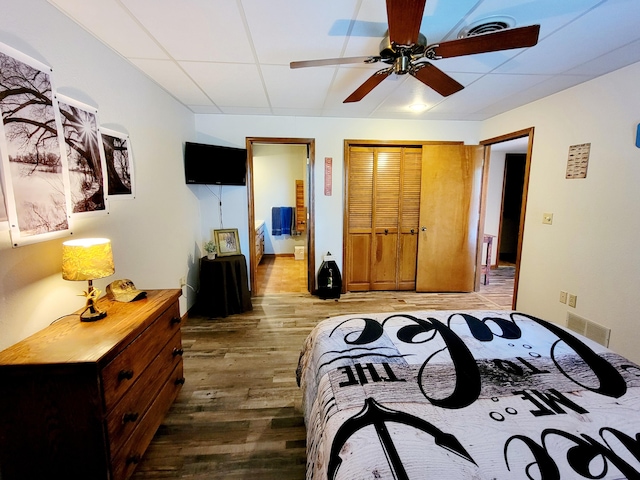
(232, 56)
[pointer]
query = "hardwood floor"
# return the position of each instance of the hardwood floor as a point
(281, 274)
(239, 414)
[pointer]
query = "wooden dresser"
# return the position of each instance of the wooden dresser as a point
(83, 400)
(259, 241)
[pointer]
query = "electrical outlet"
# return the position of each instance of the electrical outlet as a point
(573, 299)
(563, 297)
(183, 281)
(547, 218)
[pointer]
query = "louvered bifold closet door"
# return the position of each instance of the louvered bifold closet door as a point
(409, 218)
(385, 218)
(359, 217)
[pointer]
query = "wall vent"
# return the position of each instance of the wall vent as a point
(589, 329)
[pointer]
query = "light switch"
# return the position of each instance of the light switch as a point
(547, 218)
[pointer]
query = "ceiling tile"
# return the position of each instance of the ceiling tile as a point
(229, 84)
(196, 30)
(173, 79)
(99, 18)
(284, 31)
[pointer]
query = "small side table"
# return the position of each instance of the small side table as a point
(486, 269)
(224, 286)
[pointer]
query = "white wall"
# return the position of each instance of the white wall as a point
(276, 167)
(591, 250)
(329, 134)
(155, 237)
(494, 203)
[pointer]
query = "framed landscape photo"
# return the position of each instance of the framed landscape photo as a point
(85, 157)
(228, 241)
(34, 172)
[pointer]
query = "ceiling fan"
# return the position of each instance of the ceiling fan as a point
(406, 50)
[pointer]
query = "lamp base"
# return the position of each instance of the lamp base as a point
(91, 314)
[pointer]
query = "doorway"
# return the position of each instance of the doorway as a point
(508, 233)
(253, 144)
(511, 194)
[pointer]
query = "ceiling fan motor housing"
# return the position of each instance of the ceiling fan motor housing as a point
(402, 65)
(389, 52)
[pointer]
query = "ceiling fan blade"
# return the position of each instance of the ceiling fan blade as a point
(333, 61)
(372, 82)
(404, 17)
(435, 78)
(489, 42)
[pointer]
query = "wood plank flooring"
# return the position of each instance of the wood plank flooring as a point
(239, 414)
(281, 274)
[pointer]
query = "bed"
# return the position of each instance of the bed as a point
(465, 395)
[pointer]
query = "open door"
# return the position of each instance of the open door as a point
(449, 215)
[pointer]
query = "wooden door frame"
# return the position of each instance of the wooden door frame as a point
(311, 250)
(527, 132)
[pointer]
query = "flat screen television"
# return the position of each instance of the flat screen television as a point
(214, 165)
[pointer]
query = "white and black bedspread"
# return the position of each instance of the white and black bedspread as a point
(466, 395)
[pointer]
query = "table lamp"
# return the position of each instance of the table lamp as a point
(88, 259)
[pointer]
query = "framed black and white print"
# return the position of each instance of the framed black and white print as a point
(85, 157)
(35, 185)
(4, 219)
(119, 164)
(228, 241)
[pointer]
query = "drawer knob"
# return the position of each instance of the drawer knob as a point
(179, 381)
(177, 351)
(135, 459)
(175, 320)
(130, 417)
(125, 375)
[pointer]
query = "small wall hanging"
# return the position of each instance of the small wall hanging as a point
(578, 160)
(119, 162)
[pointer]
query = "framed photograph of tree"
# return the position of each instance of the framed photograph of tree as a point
(4, 219)
(35, 180)
(85, 156)
(119, 163)
(227, 241)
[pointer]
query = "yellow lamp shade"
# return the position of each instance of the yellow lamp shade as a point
(87, 259)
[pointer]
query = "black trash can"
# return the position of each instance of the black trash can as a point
(329, 278)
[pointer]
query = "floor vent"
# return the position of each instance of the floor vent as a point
(589, 329)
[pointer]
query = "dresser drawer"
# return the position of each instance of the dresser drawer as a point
(127, 458)
(128, 412)
(123, 371)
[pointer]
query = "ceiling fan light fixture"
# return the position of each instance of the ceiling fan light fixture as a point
(417, 107)
(490, 24)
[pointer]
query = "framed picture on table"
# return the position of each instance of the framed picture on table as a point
(228, 241)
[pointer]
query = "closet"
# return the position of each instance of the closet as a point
(382, 217)
(411, 216)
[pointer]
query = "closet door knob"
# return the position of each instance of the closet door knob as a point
(386, 231)
(424, 229)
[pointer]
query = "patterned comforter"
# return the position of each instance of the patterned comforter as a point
(466, 395)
